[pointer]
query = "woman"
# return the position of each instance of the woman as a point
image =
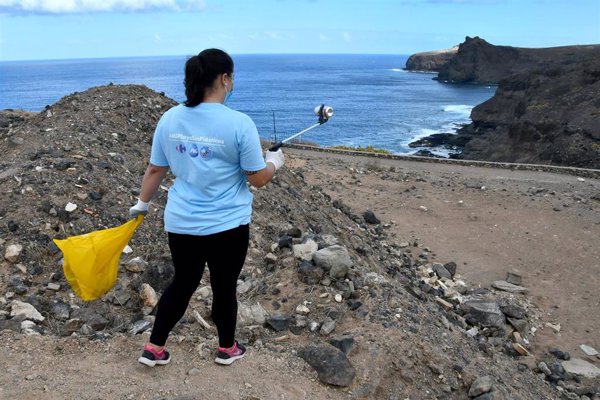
(212, 151)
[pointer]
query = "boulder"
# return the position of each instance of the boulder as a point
(577, 366)
(480, 386)
(334, 259)
(25, 310)
(484, 313)
(13, 252)
(331, 364)
(305, 251)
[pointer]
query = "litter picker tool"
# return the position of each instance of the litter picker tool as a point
(323, 112)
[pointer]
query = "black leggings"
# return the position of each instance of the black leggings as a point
(224, 252)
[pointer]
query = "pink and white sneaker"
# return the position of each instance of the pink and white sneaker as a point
(151, 357)
(226, 356)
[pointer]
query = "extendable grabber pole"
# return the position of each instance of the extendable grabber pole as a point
(323, 112)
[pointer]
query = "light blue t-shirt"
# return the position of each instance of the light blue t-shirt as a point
(207, 147)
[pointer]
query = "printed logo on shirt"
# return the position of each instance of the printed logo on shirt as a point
(180, 148)
(193, 151)
(206, 152)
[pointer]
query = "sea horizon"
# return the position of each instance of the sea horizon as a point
(376, 101)
(233, 55)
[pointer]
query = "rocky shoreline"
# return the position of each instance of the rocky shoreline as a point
(323, 283)
(544, 110)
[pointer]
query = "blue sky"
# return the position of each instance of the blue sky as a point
(58, 29)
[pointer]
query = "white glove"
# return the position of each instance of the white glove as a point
(140, 208)
(276, 158)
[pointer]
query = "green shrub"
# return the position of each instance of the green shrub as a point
(368, 149)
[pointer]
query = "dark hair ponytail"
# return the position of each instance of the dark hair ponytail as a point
(201, 72)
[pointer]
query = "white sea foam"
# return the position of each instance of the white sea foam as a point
(422, 133)
(459, 109)
(397, 70)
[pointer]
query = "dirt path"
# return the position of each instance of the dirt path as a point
(76, 368)
(543, 226)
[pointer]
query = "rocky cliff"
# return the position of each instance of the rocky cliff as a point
(549, 116)
(546, 108)
(478, 61)
(430, 61)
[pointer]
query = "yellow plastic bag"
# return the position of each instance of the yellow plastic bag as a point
(91, 261)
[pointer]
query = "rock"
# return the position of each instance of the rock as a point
(334, 259)
(136, 264)
(588, 350)
(305, 251)
(92, 316)
(337, 298)
(244, 287)
(581, 367)
(511, 309)
(441, 271)
(485, 313)
(140, 326)
(259, 314)
(29, 328)
(96, 196)
(25, 310)
(251, 315)
(561, 355)
(521, 325)
(345, 343)
(451, 267)
(73, 325)
(270, 259)
(509, 287)
(204, 292)
(148, 296)
(331, 364)
(53, 286)
(446, 305)
(13, 252)
(370, 218)
(279, 322)
(310, 273)
(542, 366)
(513, 278)
(70, 207)
(374, 279)
(285, 242)
(328, 326)
(302, 310)
(294, 232)
(492, 395)
(61, 311)
(480, 386)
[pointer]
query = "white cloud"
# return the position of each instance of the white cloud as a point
(346, 36)
(85, 6)
(323, 37)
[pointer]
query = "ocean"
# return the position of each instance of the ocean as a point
(375, 101)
